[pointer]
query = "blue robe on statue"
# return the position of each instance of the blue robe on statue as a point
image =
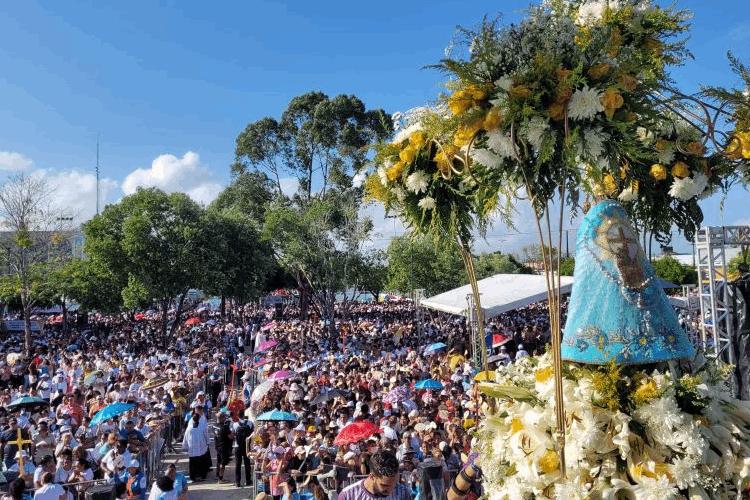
(618, 310)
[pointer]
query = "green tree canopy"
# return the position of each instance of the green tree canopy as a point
(414, 262)
(489, 264)
(670, 269)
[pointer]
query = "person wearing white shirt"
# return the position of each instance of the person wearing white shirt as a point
(50, 490)
(195, 442)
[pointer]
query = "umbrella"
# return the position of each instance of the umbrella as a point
(355, 432)
(261, 390)
(268, 326)
(267, 345)
(328, 395)
(193, 321)
(28, 402)
(139, 316)
(429, 384)
(211, 322)
(92, 377)
(277, 416)
(155, 383)
(262, 362)
(485, 376)
(396, 395)
(282, 375)
(308, 365)
(109, 412)
(432, 348)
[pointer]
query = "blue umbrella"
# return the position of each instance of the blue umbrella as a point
(277, 416)
(434, 347)
(211, 322)
(28, 402)
(429, 384)
(109, 412)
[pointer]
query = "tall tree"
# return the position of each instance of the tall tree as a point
(154, 239)
(489, 264)
(249, 194)
(318, 139)
(36, 240)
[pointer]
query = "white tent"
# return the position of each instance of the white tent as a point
(499, 293)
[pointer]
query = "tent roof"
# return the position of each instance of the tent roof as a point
(499, 293)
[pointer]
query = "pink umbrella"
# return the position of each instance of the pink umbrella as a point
(267, 345)
(268, 326)
(282, 375)
(262, 362)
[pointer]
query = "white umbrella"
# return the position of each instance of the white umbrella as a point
(261, 390)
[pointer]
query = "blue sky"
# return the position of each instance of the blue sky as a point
(168, 85)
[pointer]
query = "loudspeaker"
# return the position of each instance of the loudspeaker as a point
(100, 492)
(279, 309)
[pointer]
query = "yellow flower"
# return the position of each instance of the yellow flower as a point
(662, 145)
(492, 119)
(519, 91)
(556, 111)
(549, 462)
(598, 71)
(645, 392)
(612, 101)
(459, 102)
(696, 147)
(544, 374)
(374, 188)
(744, 138)
(628, 82)
(408, 154)
(515, 425)
(417, 139)
(680, 170)
(615, 42)
(610, 185)
(476, 93)
(395, 171)
(466, 133)
(444, 159)
(658, 171)
(624, 169)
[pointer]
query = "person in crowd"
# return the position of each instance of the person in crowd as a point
(17, 491)
(195, 443)
(381, 483)
(50, 490)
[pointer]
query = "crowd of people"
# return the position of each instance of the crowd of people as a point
(204, 387)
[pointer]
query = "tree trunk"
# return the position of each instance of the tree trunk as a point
(178, 313)
(64, 315)
(164, 317)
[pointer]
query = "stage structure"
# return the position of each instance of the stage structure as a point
(717, 323)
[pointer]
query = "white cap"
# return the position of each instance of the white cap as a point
(134, 463)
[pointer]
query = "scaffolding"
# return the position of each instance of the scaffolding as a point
(475, 324)
(717, 324)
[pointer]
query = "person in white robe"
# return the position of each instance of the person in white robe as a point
(195, 443)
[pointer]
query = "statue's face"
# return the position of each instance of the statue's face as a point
(619, 242)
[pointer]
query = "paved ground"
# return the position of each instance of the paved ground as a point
(209, 489)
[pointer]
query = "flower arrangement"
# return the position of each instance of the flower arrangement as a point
(574, 92)
(632, 432)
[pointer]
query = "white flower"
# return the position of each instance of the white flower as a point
(644, 135)
(570, 490)
(592, 11)
(594, 140)
(427, 203)
(399, 192)
(534, 131)
(584, 104)
(685, 472)
(417, 182)
(666, 155)
(501, 144)
(655, 489)
(383, 176)
(404, 134)
(700, 183)
(689, 187)
(485, 157)
(504, 83)
(628, 194)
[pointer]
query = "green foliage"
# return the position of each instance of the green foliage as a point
(89, 284)
(249, 194)
(415, 262)
(742, 258)
(489, 264)
(315, 134)
(567, 266)
(668, 268)
(135, 295)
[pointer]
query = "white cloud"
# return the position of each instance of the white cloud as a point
(172, 174)
(10, 160)
(289, 185)
(74, 192)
